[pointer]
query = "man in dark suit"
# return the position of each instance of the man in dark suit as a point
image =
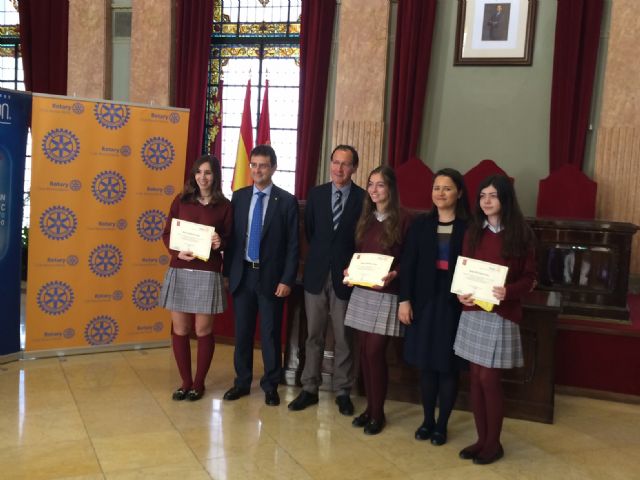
(331, 214)
(261, 264)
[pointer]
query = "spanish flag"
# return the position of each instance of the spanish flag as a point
(241, 173)
(264, 125)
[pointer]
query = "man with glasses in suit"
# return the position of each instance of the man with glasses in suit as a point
(261, 264)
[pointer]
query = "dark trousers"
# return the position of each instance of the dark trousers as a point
(247, 303)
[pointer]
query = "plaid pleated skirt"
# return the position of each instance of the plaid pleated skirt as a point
(487, 339)
(374, 312)
(193, 291)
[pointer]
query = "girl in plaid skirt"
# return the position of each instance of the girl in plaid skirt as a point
(490, 340)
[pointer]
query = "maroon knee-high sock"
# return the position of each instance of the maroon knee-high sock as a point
(364, 368)
(206, 347)
(478, 405)
(378, 378)
(182, 354)
(494, 407)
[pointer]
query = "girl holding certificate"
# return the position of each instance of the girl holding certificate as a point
(427, 307)
(490, 340)
(193, 287)
(373, 311)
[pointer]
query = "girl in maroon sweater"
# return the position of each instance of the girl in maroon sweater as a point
(193, 287)
(374, 311)
(490, 341)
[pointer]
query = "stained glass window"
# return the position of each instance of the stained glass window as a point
(257, 39)
(12, 75)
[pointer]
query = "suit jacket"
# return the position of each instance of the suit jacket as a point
(278, 243)
(418, 267)
(330, 250)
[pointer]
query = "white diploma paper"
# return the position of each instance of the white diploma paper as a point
(478, 278)
(367, 269)
(191, 237)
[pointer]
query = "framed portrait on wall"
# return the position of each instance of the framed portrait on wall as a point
(495, 32)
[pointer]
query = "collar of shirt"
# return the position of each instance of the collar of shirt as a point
(266, 191)
(497, 229)
(345, 192)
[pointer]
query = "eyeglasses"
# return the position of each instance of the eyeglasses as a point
(259, 166)
(337, 164)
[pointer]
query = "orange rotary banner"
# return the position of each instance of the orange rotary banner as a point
(103, 176)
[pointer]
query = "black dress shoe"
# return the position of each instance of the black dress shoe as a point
(468, 453)
(423, 432)
(438, 438)
(272, 398)
(235, 393)
(374, 427)
(480, 460)
(361, 420)
(195, 395)
(303, 400)
(344, 405)
(179, 394)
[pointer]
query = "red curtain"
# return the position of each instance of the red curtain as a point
(315, 51)
(414, 33)
(194, 24)
(44, 36)
(574, 64)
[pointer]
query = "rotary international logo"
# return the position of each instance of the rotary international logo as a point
(111, 115)
(169, 190)
(101, 330)
(58, 222)
(109, 187)
(157, 153)
(68, 333)
(125, 150)
(174, 117)
(151, 224)
(55, 297)
(145, 294)
(105, 260)
(75, 185)
(77, 108)
(61, 146)
(73, 260)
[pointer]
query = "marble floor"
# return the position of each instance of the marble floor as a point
(110, 416)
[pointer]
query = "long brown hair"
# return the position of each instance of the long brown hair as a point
(391, 226)
(191, 190)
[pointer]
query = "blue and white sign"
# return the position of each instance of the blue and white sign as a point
(15, 109)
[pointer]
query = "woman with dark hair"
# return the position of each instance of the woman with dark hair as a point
(490, 340)
(193, 287)
(373, 311)
(427, 307)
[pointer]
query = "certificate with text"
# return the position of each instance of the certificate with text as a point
(478, 278)
(368, 269)
(191, 237)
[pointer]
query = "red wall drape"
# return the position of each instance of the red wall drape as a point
(44, 33)
(414, 33)
(578, 25)
(194, 23)
(315, 52)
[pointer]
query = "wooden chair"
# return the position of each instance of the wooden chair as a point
(414, 184)
(567, 193)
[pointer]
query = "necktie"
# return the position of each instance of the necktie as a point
(337, 209)
(253, 251)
